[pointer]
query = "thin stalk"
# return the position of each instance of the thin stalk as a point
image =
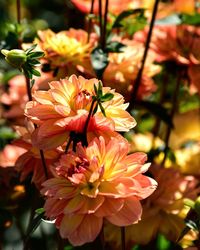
(28, 89)
(90, 21)
(88, 118)
(100, 21)
(123, 238)
(139, 75)
(68, 144)
(104, 25)
(173, 110)
(18, 4)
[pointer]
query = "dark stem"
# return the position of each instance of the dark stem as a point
(123, 238)
(103, 38)
(44, 163)
(173, 110)
(18, 3)
(90, 21)
(28, 89)
(139, 75)
(87, 122)
(100, 21)
(68, 144)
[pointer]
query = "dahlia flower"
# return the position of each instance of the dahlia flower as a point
(29, 162)
(65, 108)
(95, 183)
(163, 211)
(16, 96)
(123, 68)
(70, 47)
(180, 44)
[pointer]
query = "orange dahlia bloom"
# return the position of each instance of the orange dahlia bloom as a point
(30, 163)
(123, 68)
(163, 211)
(179, 43)
(65, 107)
(9, 155)
(99, 181)
(16, 96)
(66, 48)
(115, 6)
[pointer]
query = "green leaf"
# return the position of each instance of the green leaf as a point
(157, 110)
(99, 91)
(102, 109)
(39, 210)
(124, 14)
(37, 54)
(114, 47)
(191, 19)
(33, 62)
(30, 49)
(35, 72)
(34, 225)
(107, 97)
(169, 20)
(99, 60)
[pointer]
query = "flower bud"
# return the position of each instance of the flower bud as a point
(15, 57)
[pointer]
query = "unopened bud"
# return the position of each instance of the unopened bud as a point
(15, 57)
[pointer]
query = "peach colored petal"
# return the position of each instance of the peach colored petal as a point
(109, 207)
(87, 232)
(130, 213)
(69, 224)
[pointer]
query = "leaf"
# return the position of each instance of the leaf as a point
(157, 110)
(37, 54)
(107, 97)
(102, 109)
(35, 72)
(99, 60)
(114, 47)
(99, 91)
(34, 225)
(169, 20)
(39, 210)
(191, 19)
(124, 14)
(30, 49)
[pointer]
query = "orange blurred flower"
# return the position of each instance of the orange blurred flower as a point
(123, 68)
(163, 211)
(66, 48)
(16, 96)
(65, 107)
(97, 182)
(180, 44)
(114, 6)
(9, 155)
(30, 163)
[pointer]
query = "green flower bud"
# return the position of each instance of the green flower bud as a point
(15, 57)
(197, 205)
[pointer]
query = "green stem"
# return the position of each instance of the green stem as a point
(139, 75)
(28, 89)
(100, 21)
(103, 44)
(87, 123)
(173, 110)
(90, 21)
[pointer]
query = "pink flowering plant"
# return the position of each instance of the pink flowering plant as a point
(99, 126)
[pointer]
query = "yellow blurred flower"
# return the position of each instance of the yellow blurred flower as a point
(65, 47)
